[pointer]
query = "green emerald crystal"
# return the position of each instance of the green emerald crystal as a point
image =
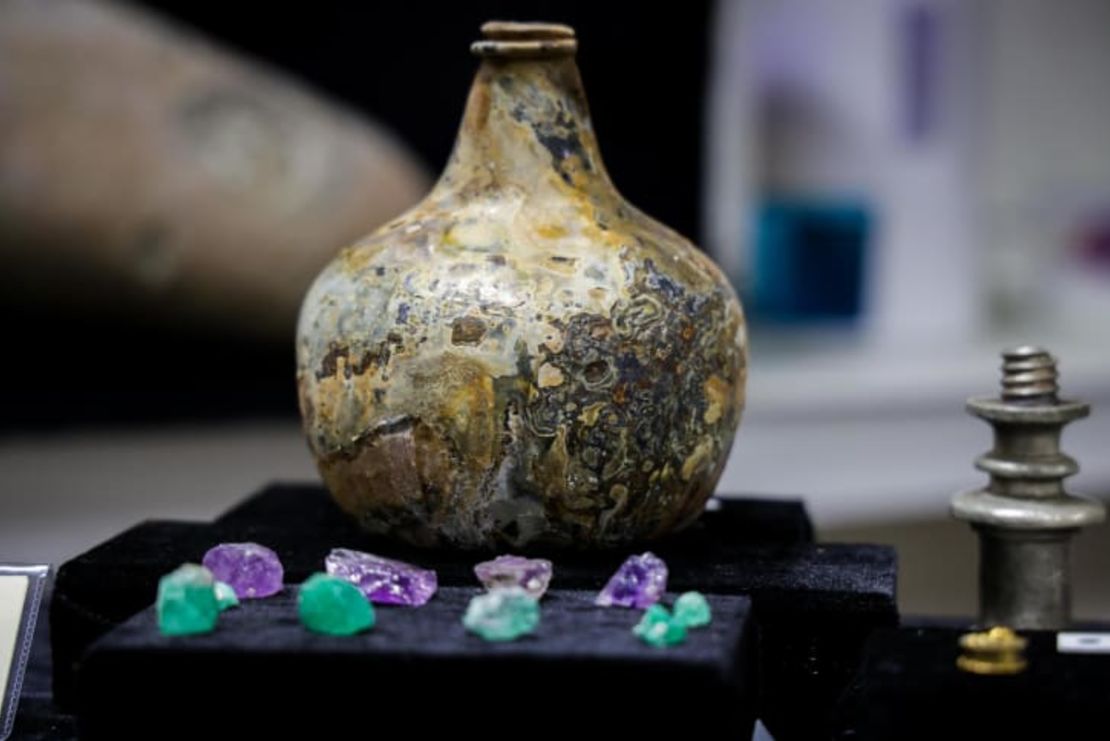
(187, 602)
(225, 596)
(502, 614)
(334, 606)
(692, 610)
(659, 628)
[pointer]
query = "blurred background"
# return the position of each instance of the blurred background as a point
(898, 189)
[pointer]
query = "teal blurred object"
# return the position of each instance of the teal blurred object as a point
(808, 262)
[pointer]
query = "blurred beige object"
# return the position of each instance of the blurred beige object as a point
(146, 171)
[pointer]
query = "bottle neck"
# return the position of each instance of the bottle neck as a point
(526, 126)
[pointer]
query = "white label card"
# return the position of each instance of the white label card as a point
(1083, 643)
(20, 592)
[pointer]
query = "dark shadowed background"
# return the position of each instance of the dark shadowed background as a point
(408, 66)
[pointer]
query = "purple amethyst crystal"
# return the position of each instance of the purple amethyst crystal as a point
(252, 570)
(383, 580)
(639, 582)
(530, 574)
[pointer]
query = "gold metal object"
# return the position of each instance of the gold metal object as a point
(996, 651)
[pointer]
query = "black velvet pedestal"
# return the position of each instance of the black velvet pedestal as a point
(910, 688)
(418, 672)
(813, 605)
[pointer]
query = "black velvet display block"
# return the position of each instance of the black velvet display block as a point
(417, 673)
(108, 584)
(910, 688)
(814, 605)
(101, 588)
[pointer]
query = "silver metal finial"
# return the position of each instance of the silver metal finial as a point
(1024, 517)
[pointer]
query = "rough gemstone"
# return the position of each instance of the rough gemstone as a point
(692, 610)
(327, 604)
(653, 615)
(251, 569)
(502, 614)
(225, 595)
(383, 580)
(659, 628)
(186, 602)
(530, 574)
(639, 582)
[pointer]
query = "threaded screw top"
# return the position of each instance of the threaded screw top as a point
(1028, 373)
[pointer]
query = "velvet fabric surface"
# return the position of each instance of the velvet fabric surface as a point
(417, 672)
(814, 604)
(910, 688)
(108, 584)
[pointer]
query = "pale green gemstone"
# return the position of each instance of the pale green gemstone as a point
(503, 614)
(225, 596)
(658, 627)
(692, 610)
(328, 604)
(186, 602)
(653, 615)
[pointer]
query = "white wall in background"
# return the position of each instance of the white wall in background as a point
(1045, 150)
(808, 98)
(870, 425)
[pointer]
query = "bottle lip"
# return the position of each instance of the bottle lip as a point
(517, 39)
